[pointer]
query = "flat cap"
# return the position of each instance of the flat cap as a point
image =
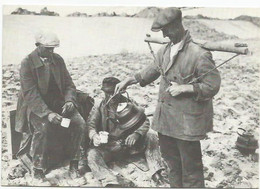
(109, 84)
(47, 39)
(165, 17)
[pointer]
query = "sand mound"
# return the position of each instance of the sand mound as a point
(199, 30)
(149, 12)
(254, 20)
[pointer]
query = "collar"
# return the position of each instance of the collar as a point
(37, 60)
(186, 39)
(43, 59)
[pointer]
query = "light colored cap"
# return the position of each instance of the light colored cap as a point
(47, 39)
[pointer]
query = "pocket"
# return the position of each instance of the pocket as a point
(194, 124)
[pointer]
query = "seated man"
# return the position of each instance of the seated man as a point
(47, 95)
(140, 141)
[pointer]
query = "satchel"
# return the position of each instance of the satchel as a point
(85, 103)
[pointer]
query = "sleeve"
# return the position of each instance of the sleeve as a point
(151, 72)
(70, 89)
(30, 91)
(208, 86)
(93, 121)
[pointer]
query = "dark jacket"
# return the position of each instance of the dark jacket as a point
(34, 84)
(186, 116)
(98, 121)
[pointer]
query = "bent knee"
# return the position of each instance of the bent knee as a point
(41, 129)
(78, 122)
(152, 135)
(92, 154)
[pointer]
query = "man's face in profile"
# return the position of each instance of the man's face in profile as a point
(173, 32)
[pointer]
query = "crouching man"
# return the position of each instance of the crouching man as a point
(47, 95)
(140, 140)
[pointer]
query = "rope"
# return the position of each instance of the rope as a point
(196, 79)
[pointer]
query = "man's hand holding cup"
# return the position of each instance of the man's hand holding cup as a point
(96, 140)
(54, 118)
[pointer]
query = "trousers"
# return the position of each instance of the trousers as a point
(184, 160)
(98, 157)
(53, 142)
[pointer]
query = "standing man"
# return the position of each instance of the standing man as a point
(47, 95)
(184, 113)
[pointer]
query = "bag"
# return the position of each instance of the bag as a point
(85, 103)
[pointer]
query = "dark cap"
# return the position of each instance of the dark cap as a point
(165, 17)
(109, 84)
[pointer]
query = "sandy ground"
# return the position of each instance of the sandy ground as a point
(236, 105)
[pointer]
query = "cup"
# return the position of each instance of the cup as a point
(103, 137)
(65, 122)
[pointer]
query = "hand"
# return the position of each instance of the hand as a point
(67, 108)
(120, 86)
(125, 83)
(131, 139)
(175, 89)
(96, 140)
(54, 118)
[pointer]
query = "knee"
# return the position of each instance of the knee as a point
(41, 129)
(78, 122)
(152, 136)
(92, 154)
(81, 127)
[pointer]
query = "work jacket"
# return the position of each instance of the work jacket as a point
(186, 116)
(35, 84)
(99, 121)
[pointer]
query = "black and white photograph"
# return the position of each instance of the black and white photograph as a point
(130, 96)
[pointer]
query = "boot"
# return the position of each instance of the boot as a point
(39, 175)
(74, 169)
(158, 179)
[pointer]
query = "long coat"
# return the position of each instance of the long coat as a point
(186, 116)
(34, 84)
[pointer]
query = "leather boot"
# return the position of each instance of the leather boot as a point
(39, 175)
(158, 179)
(74, 169)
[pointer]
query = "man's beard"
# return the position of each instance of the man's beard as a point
(44, 53)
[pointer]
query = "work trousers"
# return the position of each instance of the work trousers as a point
(49, 139)
(184, 160)
(99, 156)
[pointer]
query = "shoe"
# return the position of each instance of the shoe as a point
(113, 186)
(124, 182)
(74, 170)
(158, 179)
(39, 175)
